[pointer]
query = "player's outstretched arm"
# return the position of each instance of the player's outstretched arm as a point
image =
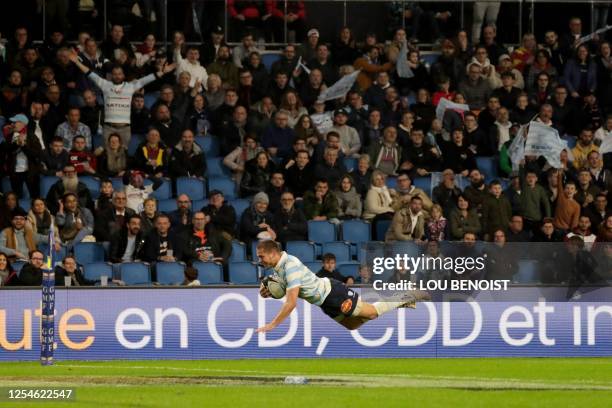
(290, 302)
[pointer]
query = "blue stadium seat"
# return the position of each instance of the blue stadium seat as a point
(405, 247)
(117, 184)
(191, 186)
(166, 206)
(135, 141)
(58, 256)
(302, 249)
(268, 58)
(163, 192)
(527, 271)
(210, 145)
(150, 98)
(170, 273)
(94, 270)
(349, 269)
(197, 205)
(216, 168)
(366, 251)
(488, 167)
(314, 266)
(238, 251)
(226, 185)
(571, 141)
(321, 231)
(356, 231)
(209, 272)
(381, 229)
(135, 273)
(89, 252)
(391, 182)
(341, 249)
(350, 163)
(6, 187)
(424, 183)
(240, 205)
(97, 140)
(25, 203)
(93, 184)
(244, 273)
(45, 184)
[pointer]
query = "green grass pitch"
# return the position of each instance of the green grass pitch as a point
(338, 383)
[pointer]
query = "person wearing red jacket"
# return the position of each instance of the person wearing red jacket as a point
(83, 160)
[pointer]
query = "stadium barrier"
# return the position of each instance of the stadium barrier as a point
(220, 323)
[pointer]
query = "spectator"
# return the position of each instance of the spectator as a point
(370, 64)
(118, 96)
(111, 221)
(604, 76)
(204, 243)
(92, 114)
(378, 201)
(586, 191)
(475, 88)
(237, 159)
(344, 50)
(489, 36)
(580, 73)
(516, 232)
(190, 64)
(21, 153)
(349, 201)
(162, 244)
(457, 155)
(8, 276)
(496, 211)
(362, 175)
(524, 56)
(222, 214)
(419, 158)
(191, 277)
(151, 157)
(224, 67)
(329, 270)
(446, 193)
(463, 220)
(126, 243)
(40, 221)
(507, 94)
(112, 161)
(147, 216)
(292, 106)
(234, 131)
(448, 66)
(604, 233)
(567, 210)
(505, 66)
(257, 174)
(487, 69)
(287, 62)
(72, 127)
(187, 158)
(180, 219)
(168, 126)
(405, 190)
(210, 48)
(19, 239)
(256, 221)
(289, 222)
(104, 200)
(83, 160)
(309, 50)
(375, 94)
(276, 187)
(199, 116)
(70, 269)
(74, 222)
(408, 223)
(541, 64)
(321, 204)
(436, 227)
(585, 145)
(214, 93)
(331, 168)
(547, 232)
(476, 192)
(69, 183)
(136, 191)
(278, 138)
(305, 130)
(583, 230)
(31, 273)
(299, 174)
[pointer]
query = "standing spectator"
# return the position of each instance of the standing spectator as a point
(118, 97)
(190, 64)
(586, 191)
(362, 175)
(289, 222)
(224, 67)
(457, 155)
(496, 210)
(237, 159)
(20, 153)
(299, 174)
(567, 211)
(580, 74)
(276, 187)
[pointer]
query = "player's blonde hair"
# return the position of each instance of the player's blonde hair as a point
(268, 246)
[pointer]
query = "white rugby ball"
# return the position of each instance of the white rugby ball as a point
(275, 286)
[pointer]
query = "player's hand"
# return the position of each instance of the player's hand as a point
(265, 328)
(264, 292)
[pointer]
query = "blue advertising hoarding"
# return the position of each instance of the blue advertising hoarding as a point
(219, 323)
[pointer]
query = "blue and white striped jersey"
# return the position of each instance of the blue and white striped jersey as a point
(294, 274)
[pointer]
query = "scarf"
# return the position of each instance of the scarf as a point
(11, 239)
(116, 160)
(384, 198)
(150, 152)
(503, 132)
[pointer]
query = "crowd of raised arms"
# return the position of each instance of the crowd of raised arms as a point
(94, 131)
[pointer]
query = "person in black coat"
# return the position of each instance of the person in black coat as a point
(222, 214)
(187, 158)
(203, 243)
(329, 270)
(457, 156)
(57, 191)
(299, 175)
(70, 268)
(258, 172)
(8, 276)
(289, 223)
(161, 244)
(169, 127)
(55, 158)
(119, 241)
(31, 273)
(256, 221)
(110, 221)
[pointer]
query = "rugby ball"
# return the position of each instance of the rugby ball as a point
(275, 286)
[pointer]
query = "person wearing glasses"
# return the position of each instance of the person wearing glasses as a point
(19, 239)
(112, 220)
(31, 273)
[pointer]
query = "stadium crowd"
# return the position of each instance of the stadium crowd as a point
(94, 131)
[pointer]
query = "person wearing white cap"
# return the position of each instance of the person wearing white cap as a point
(21, 151)
(308, 50)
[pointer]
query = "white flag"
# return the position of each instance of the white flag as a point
(445, 104)
(323, 122)
(545, 141)
(516, 150)
(589, 37)
(340, 88)
(402, 67)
